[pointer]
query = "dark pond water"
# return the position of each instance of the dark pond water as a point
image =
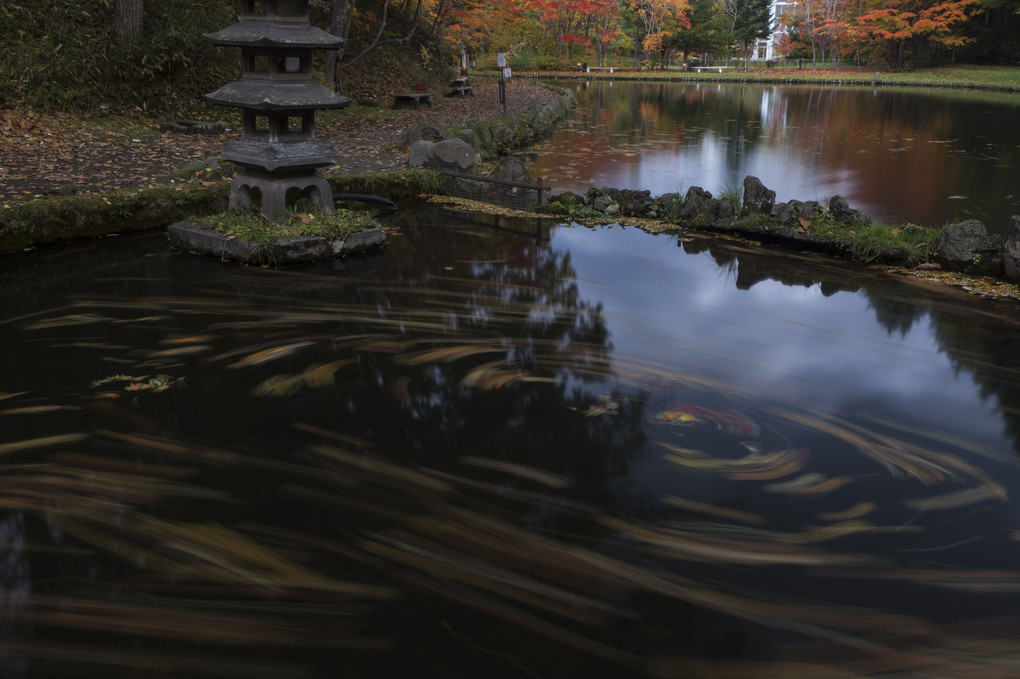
(590, 452)
(919, 156)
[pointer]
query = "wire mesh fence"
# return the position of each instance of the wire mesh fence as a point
(502, 192)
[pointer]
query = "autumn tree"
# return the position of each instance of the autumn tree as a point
(824, 23)
(904, 26)
(470, 26)
(659, 18)
(943, 23)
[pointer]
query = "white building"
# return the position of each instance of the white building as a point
(782, 10)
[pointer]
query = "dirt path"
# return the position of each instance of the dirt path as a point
(44, 155)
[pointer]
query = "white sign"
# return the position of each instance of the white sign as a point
(501, 59)
(506, 73)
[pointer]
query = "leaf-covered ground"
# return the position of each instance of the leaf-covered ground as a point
(59, 155)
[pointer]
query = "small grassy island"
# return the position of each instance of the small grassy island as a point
(303, 235)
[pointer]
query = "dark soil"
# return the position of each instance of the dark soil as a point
(56, 155)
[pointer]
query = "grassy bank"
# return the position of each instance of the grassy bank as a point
(1002, 78)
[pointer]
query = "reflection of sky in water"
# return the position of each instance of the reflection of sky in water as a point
(784, 343)
(898, 156)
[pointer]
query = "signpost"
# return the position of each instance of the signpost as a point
(504, 75)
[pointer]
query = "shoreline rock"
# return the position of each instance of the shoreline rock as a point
(966, 247)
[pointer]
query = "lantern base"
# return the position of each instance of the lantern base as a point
(273, 192)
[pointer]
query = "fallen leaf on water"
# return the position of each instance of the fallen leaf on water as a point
(712, 510)
(960, 498)
(267, 355)
(537, 475)
(42, 442)
(37, 409)
(858, 510)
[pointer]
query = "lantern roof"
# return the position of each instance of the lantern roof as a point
(260, 95)
(274, 157)
(257, 33)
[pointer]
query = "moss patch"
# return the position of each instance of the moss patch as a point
(63, 218)
(254, 227)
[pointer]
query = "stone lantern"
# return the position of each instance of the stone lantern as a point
(278, 151)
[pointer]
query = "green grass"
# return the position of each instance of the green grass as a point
(734, 191)
(252, 226)
(869, 243)
(988, 77)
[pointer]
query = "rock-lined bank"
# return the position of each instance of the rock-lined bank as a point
(834, 228)
(462, 147)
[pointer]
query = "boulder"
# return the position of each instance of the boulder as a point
(839, 209)
(454, 154)
(1011, 250)
(841, 212)
(569, 198)
(757, 198)
(632, 201)
(724, 210)
(417, 132)
(668, 199)
(790, 214)
(785, 213)
(419, 153)
(811, 209)
(697, 203)
(467, 135)
(511, 168)
(967, 246)
(502, 137)
(560, 204)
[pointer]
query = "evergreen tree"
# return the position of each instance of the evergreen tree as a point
(750, 20)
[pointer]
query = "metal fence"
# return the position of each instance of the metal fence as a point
(501, 192)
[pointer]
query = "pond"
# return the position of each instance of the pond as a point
(541, 452)
(922, 156)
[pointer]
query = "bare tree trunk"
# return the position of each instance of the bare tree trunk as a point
(378, 36)
(340, 26)
(127, 21)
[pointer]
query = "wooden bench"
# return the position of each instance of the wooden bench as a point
(699, 69)
(416, 99)
(461, 92)
(601, 68)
